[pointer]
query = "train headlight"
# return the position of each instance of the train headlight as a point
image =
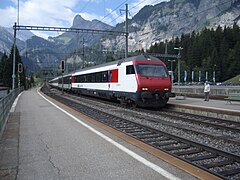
(144, 89)
(166, 89)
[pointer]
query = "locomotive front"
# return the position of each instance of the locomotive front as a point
(154, 83)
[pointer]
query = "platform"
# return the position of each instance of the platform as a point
(218, 104)
(212, 108)
(42, 141)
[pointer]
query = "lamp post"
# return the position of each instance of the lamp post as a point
(179, 56)
(172, 76)
(172, 61)
(14, 55)
(214, 74)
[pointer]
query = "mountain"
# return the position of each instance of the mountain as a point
(170, 19)
(22, 35)
(151, 24)
(73, 45)
(72, 40)
(6, 39)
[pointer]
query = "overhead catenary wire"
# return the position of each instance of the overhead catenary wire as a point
(114, 10)
(93, 25)
(141, 3)
(84, 6)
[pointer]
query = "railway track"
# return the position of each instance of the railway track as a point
(220, 130)
(224, 164)
(216, 123)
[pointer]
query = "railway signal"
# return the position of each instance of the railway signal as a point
(20, 68)
(63, 66)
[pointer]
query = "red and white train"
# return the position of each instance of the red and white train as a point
(138, 81)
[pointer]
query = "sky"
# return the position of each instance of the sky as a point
(60, 13)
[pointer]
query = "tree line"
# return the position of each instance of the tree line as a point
(210, 50)
(6, 71)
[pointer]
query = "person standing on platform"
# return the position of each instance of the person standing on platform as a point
(206, 91)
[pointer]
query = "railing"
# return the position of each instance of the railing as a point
(5, 106)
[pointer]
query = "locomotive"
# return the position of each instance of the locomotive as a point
(138, 81)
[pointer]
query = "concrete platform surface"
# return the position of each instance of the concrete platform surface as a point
(46, 143)
(215, 104)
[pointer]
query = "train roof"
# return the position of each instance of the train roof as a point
(56, 78)
(119, 62)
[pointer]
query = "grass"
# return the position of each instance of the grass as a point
(235, 79)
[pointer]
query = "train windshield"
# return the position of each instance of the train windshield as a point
(152, 70)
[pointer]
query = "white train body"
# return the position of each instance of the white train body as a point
(124, 81)
(141, 81)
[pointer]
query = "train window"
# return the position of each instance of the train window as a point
(93, 77)
(77, 79)
(154, 70)
(98, 76)
(104, 76)
(109, 76)
(81, 79)
(130, 69)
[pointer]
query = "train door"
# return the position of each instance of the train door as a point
(109, 79)
(112, 79)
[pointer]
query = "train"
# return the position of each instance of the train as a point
(139, 81)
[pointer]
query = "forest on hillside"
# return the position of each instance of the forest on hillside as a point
(6, 70)
(206, 51)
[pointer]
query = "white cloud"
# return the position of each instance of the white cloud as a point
(61, 12)
(117, 18)
(8, 16)
(139, 4)
(133, 9)
(51, 13)
(39, 12)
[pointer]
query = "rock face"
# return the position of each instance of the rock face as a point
(170, 19)
(71, 39)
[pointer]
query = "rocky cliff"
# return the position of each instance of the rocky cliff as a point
(170, 19)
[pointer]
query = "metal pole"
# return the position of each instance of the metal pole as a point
(83, 52)
(172, 61)
(14, 55)
(18, 13)
(179, 71)
(126, 24)
(62, 82)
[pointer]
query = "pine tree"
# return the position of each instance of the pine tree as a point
(9, 71)
(210, 50)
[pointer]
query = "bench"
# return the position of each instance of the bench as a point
(232, 97)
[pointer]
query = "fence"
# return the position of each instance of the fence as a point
(5, 106)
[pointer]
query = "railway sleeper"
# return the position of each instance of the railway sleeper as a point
(152, 136)
(171, 148)
(144, 136)
(197, 158)
(132, 131)
(192, 151)
(165, 143)
(142, 133)
(130, 127)
(229, 172)
(217, 164)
